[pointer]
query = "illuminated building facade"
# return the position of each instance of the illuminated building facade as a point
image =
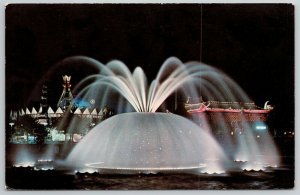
(23, 121)
(232, 115)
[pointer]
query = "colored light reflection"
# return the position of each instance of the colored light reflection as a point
(261, 127)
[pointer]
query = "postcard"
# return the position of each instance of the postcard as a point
(149, 97)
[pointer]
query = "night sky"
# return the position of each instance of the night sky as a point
(254, 44)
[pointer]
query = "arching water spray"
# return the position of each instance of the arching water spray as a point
(147, 140)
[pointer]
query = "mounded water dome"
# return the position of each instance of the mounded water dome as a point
(147, 140)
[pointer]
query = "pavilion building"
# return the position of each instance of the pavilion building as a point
(234, 115)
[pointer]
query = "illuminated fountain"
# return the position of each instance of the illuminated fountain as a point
(146, 142)
(24, 158)
(149, 141)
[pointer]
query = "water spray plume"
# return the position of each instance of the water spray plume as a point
(152, 141)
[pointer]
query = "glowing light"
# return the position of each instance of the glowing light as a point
(92, 101)
(44, 168)
(80, 103)
(210, 172)
(44, 160)
(86, 170)
(258, 136)
(254, 167)
(11, 124)
(44, 165)
(24, 164)
(270, 166)
(261, 127)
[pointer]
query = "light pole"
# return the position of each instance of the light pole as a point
(11, 124)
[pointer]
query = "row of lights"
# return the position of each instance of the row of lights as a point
(257, 136)
(289, 132)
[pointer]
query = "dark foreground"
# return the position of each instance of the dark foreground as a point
(27, 178)
(282, 177)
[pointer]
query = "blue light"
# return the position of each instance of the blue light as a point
(80, 103)
(261, 127)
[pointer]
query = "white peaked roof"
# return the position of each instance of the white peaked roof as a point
(40, 109)
(59, 111)
(33, 111)
(77, 111)
(86, 111)
(50, 111)
(22, 112)
(13, 114)
(27, 111)
(101, 112)
(94, 112)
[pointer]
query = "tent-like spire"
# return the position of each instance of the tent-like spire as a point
(66, 97)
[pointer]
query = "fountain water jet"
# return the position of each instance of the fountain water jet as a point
(147, 140)
(24, 158)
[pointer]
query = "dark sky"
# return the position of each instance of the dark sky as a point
(252, 43)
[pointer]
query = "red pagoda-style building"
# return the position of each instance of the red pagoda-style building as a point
(233, 114)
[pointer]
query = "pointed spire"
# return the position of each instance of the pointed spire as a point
(50, 110)
(27, 111)
(86, 111)
(13, 115)
(77, 111)
(101, 112)
(59, 111)
(22, 112)
(33, 111)
(94, 112)
(40, 109)
(66, 97)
